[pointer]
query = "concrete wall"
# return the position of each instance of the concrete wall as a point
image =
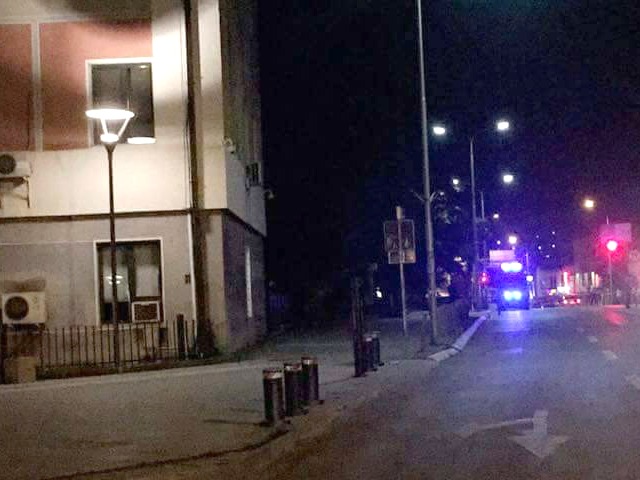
(147, 178)
(243, 329)
(74, 181)
(61, 256)
(242, 106)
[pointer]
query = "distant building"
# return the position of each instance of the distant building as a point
(59, 58)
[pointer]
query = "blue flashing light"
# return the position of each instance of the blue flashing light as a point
(512, 295)
(511, 267)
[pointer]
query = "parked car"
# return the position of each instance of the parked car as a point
(571, 300)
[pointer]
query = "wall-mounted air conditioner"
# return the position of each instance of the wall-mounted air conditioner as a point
(23, 308)
(253, 175)
(13, 165)
(143, 312)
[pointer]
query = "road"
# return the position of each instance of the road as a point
(544, 394)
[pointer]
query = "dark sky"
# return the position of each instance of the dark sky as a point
(342, 125)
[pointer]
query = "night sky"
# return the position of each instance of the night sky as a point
(342, 122)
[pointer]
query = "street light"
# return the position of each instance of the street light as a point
(508, 178)
(589, 203)
(109, 117)
(501, 126)
(439, 130)
(496, 216)
(513, 240)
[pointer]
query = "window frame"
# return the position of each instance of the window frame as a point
(98, 274)
(89, 64)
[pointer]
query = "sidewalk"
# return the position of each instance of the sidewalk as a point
(124, 425)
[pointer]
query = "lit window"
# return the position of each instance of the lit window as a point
(127, 86)
(138, 277)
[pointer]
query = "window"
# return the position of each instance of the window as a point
(247, 275)
(128, 86)
(138, 277)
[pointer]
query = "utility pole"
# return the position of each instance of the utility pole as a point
(431, 261)
(403, 296)
(474, 220)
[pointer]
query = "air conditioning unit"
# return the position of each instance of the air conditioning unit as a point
(23, 308)
(253, 175)
(144, 312)
(14, 166)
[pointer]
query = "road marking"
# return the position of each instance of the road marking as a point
(592, 339)
(580, 330)
(609, 355)
(537, 440)
(634, 380)
(472, 428)
(513, 351)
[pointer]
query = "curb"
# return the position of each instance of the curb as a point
(460, 342)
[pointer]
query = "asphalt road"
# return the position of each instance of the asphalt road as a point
(544, 394)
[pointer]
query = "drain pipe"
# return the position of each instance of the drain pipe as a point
(206, 342)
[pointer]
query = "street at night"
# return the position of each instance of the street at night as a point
(319, 240)
(551, 393)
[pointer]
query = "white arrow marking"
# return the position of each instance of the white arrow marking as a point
(592, 339)
(472, 428)
(609, 355)
(537, 440)
(634, 380)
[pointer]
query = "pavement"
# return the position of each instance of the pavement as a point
(194, 422)
(542, 394)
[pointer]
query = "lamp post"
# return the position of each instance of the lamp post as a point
(501, 126)
(431, 261)
(611, 245)
(107, 117)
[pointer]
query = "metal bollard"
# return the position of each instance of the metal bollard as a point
(292, 387)
(273, 395)
(377, 358)
(310, 381)
(368, 353)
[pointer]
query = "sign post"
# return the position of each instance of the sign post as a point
(399, 242)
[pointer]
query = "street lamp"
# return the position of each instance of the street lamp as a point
(431, 260)
(439, 130)
(513, 240)
(496, 216)
(508, 178)
(589, 203)
(501, 126)
(109, 117)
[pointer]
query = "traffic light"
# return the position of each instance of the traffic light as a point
(612, 245)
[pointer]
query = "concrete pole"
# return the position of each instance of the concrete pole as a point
(403, 295)
(474, 221)
(431, 262)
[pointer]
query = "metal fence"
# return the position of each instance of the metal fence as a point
(82, 345)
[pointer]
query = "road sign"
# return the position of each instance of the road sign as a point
(400, 243)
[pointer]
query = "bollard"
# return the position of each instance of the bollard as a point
(292, 387)
(273, 395)
(359, 359)
(310, 381)
(377, 358)
(368, 353)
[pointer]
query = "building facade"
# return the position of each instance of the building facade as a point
(60, 58)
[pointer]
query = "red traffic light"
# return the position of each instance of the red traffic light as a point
(612, 245)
